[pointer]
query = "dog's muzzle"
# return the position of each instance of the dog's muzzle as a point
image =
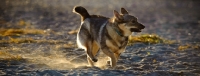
(138, 29)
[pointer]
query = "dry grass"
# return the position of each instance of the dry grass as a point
(31, 40)
(73, 32)
(9, 57)
(18, 32)
(155, 39)
(188, 46)
(18, 40)
(148, 39)
(24, 27)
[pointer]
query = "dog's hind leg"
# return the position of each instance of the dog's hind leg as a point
(90, 62)
(90, 56)
(95, 48)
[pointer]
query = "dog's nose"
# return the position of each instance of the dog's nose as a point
(142, 26)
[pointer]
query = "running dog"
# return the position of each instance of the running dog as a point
(109, 35)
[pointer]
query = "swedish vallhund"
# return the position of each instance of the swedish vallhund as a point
(110, 35)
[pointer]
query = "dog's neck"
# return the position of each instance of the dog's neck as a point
(116, 28)
(118, 31)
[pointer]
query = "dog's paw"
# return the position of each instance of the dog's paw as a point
(108, 66)
(94, 60)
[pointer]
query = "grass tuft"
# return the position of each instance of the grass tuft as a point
(148, 39)
(188, 46)
(18, 32)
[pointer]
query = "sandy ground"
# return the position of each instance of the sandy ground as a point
(55, 53)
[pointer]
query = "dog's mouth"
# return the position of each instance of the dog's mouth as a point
(138, 28)
(135, 30)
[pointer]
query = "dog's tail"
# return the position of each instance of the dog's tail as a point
(81, 11)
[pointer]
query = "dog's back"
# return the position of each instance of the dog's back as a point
(90, 26)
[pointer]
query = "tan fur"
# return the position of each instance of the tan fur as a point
(114, 36)
(126, 32)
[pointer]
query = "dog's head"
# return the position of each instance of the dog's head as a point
(127, 23)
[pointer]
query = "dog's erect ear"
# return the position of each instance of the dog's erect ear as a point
(117, 15)
(124, 11)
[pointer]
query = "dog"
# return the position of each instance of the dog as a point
(109, 35)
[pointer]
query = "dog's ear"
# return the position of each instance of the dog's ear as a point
(117, 15)
(124, 11)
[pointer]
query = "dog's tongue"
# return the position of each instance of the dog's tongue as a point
(135, 30)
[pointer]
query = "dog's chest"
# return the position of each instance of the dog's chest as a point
(117, 45)
(123, 43)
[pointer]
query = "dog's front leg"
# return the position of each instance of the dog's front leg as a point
(117, 56)
(109, 53)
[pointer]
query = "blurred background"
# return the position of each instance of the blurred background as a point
(153, 13)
